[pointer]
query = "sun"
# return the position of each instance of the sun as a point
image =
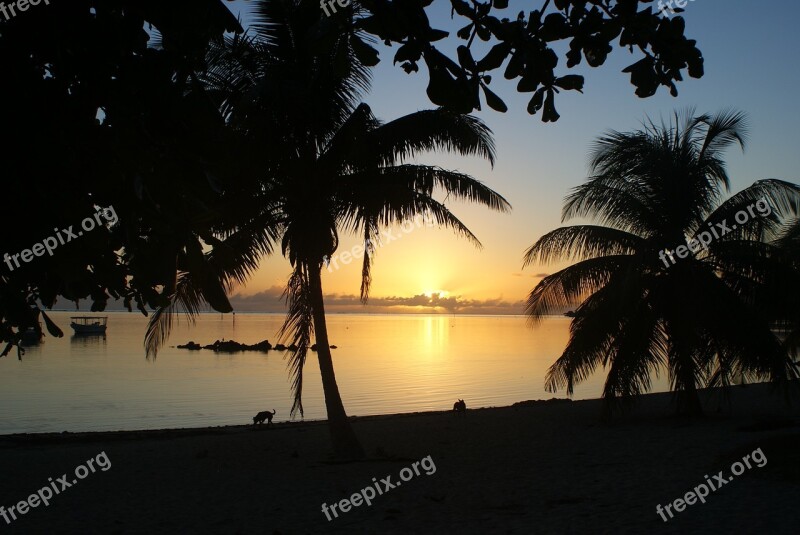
(440, 293)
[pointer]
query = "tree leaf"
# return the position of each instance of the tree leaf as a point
(536, 102)
(494, 102)
(364, 52)
(515, 66)
(571, 82)
(550, 115)
(465, 32)
(495, 58)
(465, 58)
(461, 7)
(644, 77)
(436, 35)
(214, 293)
(408, 52)
(52, 328)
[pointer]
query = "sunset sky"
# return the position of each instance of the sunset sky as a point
(751, 65)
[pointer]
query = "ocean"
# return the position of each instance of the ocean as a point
(384, 364)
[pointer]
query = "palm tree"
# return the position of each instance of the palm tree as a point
(323, 164)
(783, 295)
(641, 310)
(357, 183)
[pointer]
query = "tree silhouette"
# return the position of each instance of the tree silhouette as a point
(326, 165)
(104, 108)
(528, 45)
(97, 113)
(695, 315)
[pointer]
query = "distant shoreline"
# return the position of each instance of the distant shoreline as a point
(252, 313)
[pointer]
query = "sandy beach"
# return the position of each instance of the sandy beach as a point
(535, 468)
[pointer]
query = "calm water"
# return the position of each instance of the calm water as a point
(384, 364)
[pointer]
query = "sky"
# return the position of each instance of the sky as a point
(750, 50)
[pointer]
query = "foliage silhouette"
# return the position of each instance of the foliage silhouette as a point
(700, 319)
(528, 45)
(325, 165)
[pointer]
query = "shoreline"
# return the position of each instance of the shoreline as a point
(645, 407)
(527, 468)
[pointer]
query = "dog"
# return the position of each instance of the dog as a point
(265, 415)
(460, 407)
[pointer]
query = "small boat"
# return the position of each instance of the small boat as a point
(89, 324)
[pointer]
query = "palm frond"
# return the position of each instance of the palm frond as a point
(593, 333)
(186, 300)
(432, 130)
(581, 242)
(767, 205)
(612, 202)
(238, 248)
(297, 329)
(740, 331)
(722, 130)
(371, 237)
(404, 207)
(569, 287)
(427, 180)
(638, 352)
(318, 54)
(789, 239)
(235, 65)
(349, 145)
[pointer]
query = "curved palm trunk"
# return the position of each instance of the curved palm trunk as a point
(345, 442)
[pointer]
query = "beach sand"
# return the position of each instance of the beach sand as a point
(539, 468)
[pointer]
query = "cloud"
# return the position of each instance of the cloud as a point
(271, 300)
(529, 276)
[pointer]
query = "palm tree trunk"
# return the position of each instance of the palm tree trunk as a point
(689, 403)
(345, 442)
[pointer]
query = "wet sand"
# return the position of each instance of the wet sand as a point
(536, 468)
